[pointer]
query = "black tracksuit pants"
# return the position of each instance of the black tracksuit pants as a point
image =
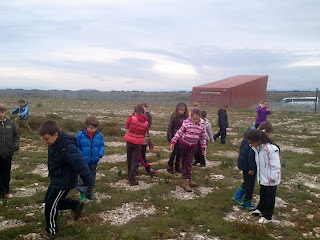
(56, 200)
(267, 200)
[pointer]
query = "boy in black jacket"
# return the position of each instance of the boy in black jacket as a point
(223, 124)
(65, 163)
(9, 143)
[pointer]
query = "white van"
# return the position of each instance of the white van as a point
(300, 101)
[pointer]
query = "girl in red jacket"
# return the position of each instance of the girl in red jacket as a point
(137, 125)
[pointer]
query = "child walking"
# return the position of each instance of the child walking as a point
(137, 125)
(247, 163)
(147, 142)
(65, 164)
(175, 122)
(9, 143)
(223, 124)
(268, 172)
(191, 131)
(91, 146)
(23, 114)
(262, 112)
(199, 158)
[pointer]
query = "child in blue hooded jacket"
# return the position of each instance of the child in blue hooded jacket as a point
(92, 147)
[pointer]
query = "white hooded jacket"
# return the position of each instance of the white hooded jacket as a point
(268, 164)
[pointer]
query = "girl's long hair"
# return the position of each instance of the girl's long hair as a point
(185, 115)
(138, 109)
(256, 135)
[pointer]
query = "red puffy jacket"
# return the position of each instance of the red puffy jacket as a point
(138, 126)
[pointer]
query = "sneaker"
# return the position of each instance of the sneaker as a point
(45, 235)
(194, 163)
(133, 181)
(170, 170)
(78, 210)
(256, 213)
(202, 165)
(9, 195)
(264, 220)
(152, 172)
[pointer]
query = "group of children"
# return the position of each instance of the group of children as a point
(72, 161)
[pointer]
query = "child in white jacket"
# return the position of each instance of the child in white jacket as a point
(268, 172)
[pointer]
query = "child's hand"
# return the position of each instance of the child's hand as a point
(251, 172)
(203, 152)
(272, 181)
(172, 146)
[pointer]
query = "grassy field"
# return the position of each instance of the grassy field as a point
(158, 208)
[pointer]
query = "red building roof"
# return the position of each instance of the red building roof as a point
(232, 81)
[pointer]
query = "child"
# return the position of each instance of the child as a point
(199, 158)
(262, 112)
(137, 125)
(91, 146)
(147, 142)
(223, 124)
(65, 163)
(268, 172)
(175, 122)
(9, 143)
(191, 131)
(246, 162)
(142, 157)
(23, 114)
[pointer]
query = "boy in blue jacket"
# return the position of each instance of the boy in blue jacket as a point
(65, 163)
(23, 114)
(91, 145)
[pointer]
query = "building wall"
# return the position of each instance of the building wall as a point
(243, 95)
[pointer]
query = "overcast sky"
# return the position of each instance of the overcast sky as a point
(157, 45)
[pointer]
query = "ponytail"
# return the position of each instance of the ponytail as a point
(256, 135)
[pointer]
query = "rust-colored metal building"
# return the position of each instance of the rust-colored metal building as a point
(238, 91)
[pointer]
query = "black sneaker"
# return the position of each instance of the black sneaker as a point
(202, 165)
(133, 181)
(170, 170)
(194, 163)
(45, 235)
(152, 172)
(78, 210)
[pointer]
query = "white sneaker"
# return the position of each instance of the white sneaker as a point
(264, 220)
(9, 195)
(256, 213)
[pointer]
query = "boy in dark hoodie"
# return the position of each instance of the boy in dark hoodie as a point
(9, 143)
(65, 163)
(223, 124)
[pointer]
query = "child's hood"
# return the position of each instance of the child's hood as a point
(141, 117)
(65, 139)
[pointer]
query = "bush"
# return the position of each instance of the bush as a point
(111, 129)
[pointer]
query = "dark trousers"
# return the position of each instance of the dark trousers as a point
(248, 184)
(133, 153)
(143, 160)
(267, 200)
(198, 157)
(56, 200)
(5, 175)
(223, 133)
(175, 154)
(187, 154)
(88, 189)
(256, 125)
